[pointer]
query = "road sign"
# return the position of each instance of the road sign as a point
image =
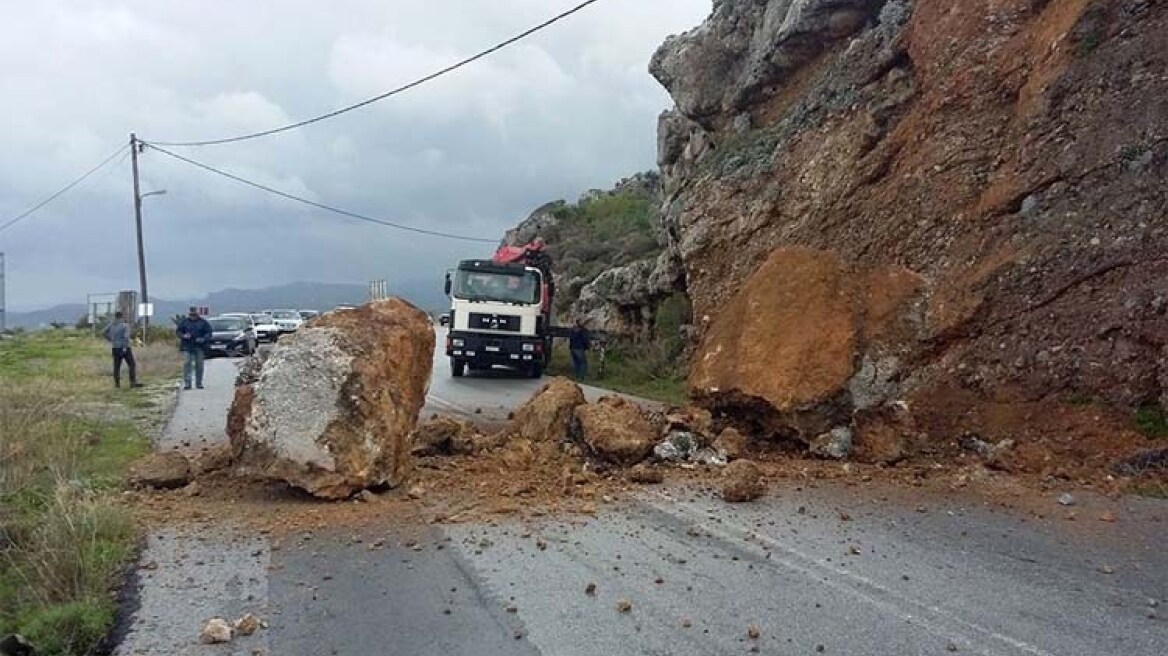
(145, 309)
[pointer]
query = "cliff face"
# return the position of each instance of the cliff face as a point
(904, 213)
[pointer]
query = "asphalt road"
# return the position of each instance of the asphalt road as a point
(486, 395)
(901, 575)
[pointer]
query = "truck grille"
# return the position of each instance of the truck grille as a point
(505, 322)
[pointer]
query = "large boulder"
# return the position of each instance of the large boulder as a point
(332, 408)
(547, 415)
(616, 430)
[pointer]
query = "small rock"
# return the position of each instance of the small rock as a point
(1065, 499)
(731, 444)
(645, 474)
(15, 644)
(686, 622)
(511, 608)
(192, 489)
(590, 589)
(1107, 569)
(743, 482)
(1107, 516)
(215, 631)
(753, 632)
(624, 606)
(835, 444)
(416, 492)
(367, 496)
(247, 625)
(951, 646)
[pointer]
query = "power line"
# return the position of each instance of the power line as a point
(393, 92)
(328, 208)
(23, 215)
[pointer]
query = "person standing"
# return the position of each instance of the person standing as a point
(194, 332)
(578, 344)
(118, 335)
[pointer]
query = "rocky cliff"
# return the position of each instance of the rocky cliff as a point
(611, 268)
(915, 219)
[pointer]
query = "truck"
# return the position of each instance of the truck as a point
(501, 311)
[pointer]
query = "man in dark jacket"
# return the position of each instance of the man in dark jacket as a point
(194, 334)
(578, 344)
(118, 335)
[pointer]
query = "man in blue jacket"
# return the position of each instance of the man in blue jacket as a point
(194, 334)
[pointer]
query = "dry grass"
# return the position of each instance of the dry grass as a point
(63, 539)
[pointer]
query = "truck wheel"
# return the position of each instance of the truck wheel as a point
(457, 368)
(536, 370)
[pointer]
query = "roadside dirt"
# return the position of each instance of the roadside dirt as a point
(535, 480)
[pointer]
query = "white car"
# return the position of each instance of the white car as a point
(288, 321)
(265, 328)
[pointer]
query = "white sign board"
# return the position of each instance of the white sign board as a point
(145, 309)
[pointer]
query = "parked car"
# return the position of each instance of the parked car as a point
(265, 327)
(233, 336)
(288, 321)
(308, 314)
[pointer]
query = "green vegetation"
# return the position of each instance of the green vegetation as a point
(1152, 421)
(653, 368)
(602, 231)
(63, 538)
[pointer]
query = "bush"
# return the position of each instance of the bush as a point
(69, 628)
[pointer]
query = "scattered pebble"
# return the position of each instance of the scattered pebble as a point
(624, 606)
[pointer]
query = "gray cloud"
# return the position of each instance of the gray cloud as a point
(570, 109)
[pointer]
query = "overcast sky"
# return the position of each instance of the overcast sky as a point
(569, 109)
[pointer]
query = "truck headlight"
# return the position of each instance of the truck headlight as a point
(458, 342)
(529, 347)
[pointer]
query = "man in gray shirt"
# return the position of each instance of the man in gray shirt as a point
(118, 335)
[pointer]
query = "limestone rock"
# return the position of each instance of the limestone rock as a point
(731, 444)
(787, 340)
(742, 481)
(835, 444)
(333, 406)
(216, 631)
(615, 429)
(161, 470)
(747, 50)
(547, 415)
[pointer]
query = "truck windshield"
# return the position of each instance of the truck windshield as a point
(518, 287)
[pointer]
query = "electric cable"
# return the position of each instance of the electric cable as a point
(393, 92)
(62, 191)
(312, 203)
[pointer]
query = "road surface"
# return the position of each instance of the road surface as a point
(483, 395)
(899, 575)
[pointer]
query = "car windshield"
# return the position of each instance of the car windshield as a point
(261, 318)
(227, 324)
(285, 314)
(518, 287)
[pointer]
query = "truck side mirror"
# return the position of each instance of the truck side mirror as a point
(446, 287)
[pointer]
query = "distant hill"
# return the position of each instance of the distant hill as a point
(425, 294)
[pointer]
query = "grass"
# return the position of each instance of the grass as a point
(628, 369)
(1152, 421)
(66, 438)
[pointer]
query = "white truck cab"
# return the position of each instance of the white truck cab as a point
(497, 317)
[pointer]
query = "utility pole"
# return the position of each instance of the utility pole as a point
(3, 305)
(138, 224)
